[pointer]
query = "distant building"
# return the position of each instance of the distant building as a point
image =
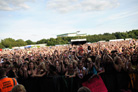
(116, 40)
(78, 41)
(71, 34)
(128, 39)
(102, 41)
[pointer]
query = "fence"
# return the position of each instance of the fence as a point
(113, 82)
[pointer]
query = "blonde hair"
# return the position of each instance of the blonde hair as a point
(19, 88)
(89, 59)
(43, 65)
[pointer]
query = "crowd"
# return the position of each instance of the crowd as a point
(72, 61)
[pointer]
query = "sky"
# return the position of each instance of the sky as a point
(38, 19)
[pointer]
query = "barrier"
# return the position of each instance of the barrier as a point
(96, 84)
(113, 83)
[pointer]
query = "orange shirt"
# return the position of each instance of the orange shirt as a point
(6, 84)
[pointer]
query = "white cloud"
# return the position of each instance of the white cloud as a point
(81, 5)
(9, 5)
(120, 15)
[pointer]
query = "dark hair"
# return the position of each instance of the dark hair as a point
(2, 72)
(15, 64)
(7, 62)
(134, 54)
(89, 48)
(113, 51)
(45, 58)
(52, 68)
(50, 58)
(27, 59)
(29, 64)
(79, 57)
(70, 48)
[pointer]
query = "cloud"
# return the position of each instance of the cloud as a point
(120, 15)
(9, 5)
(64, 6)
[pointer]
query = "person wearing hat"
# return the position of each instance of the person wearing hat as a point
(6, 84)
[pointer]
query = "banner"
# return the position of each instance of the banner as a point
(96, 84)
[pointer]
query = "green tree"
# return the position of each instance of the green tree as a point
(29, 42)
(118, 35)
(131, 35)
(106, 34)
(124, 35)
(51, 42)
(8, 42)
(42, 41)
(1, 46)
(20, 42)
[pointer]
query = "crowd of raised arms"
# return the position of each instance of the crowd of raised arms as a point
(71, 60)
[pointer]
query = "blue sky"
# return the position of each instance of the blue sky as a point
(38, 19)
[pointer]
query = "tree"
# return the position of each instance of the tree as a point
(118, 35)
(29, 42)
(51, 42)
(8, 42)
(124, 35)
(42, 41)
(1, 46)
(106, 34)
(20, 42)
(131, 35)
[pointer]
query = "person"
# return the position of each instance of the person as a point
(41, 70)
(6, 84)
(89, 49)
(31, 69)
(83, 89)
(18, 88)
(81, 70)
(113, 59)
(70, 73)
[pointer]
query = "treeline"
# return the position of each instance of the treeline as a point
(9, 42)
